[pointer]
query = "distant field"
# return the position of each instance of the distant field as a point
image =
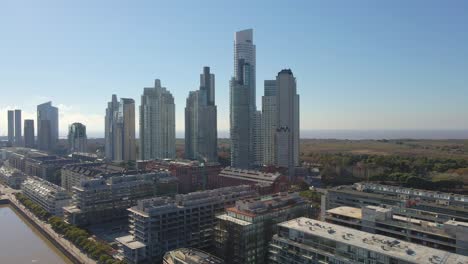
(428, 148)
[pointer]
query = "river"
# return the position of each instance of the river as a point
(20, 243)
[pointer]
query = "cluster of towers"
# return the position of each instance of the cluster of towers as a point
(47, 130)
(267, 137)
(271, 136)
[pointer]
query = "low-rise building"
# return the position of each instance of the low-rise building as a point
(450, 236)
(421, 203)
(305, 240)
(162, 224)
(84, 157)
(193, 175)
(49, 196)
(190, 256)
(12, 177)
(102, 200)
(244, 231)
(37, 163)
(73, 174)
(268, 182)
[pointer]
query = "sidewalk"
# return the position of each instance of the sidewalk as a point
(72, 249)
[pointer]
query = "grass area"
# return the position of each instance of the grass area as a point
(457, 149)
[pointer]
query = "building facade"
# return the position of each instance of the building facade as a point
(37, 163)
(11, 127)
(101, 200)
(47, 126)
(73, 174)
(243, 102)
(18, 129)
(162, 224)
(304, 240)
(419, 204)
(29, 135)
(12, 177)
(201, 136)
(120, 130)
(264, 182)
(49, 196)
(287, 122)
(77, 139)
(192, 175)
(244, 231)
(157, 123)
(269, 122)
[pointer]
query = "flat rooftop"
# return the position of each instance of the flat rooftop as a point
(384, 245)
(130, 242)
(347, 211)
(258, 176)
(191, 256)
(226, 217)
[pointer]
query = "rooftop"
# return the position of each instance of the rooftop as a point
(254, 175)
(191, 256)
(347, 211)
(45, 188)
(384, 245)
(266, 204)
(93, 169)
(130, 242)
(381, 188)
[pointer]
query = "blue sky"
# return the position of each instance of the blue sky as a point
(358, 64)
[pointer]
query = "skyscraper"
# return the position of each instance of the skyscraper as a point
(258, 139)
(287, 120)
(11, 126)
(47, 126)
(120, 130)
(29, 133)
(201, 136)
(110, 124)
(242, 101)
(18, 129)
(77, 139)
(157, 123)
(269, 122)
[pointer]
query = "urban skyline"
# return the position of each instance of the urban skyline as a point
(370, 76)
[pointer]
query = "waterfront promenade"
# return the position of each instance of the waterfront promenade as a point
(77, 255)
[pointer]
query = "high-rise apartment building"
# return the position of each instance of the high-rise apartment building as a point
(18, 129)
(11, 126)
(29, 137)
(162, 224)
(201, 136)
(77, 139)
(269, 121)
(287, 120)
(47, 126)
(258, 139)
(120, 130)
(244, 231)
(157, 123)
(242, 101)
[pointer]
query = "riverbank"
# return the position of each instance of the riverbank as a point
(73, 253)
